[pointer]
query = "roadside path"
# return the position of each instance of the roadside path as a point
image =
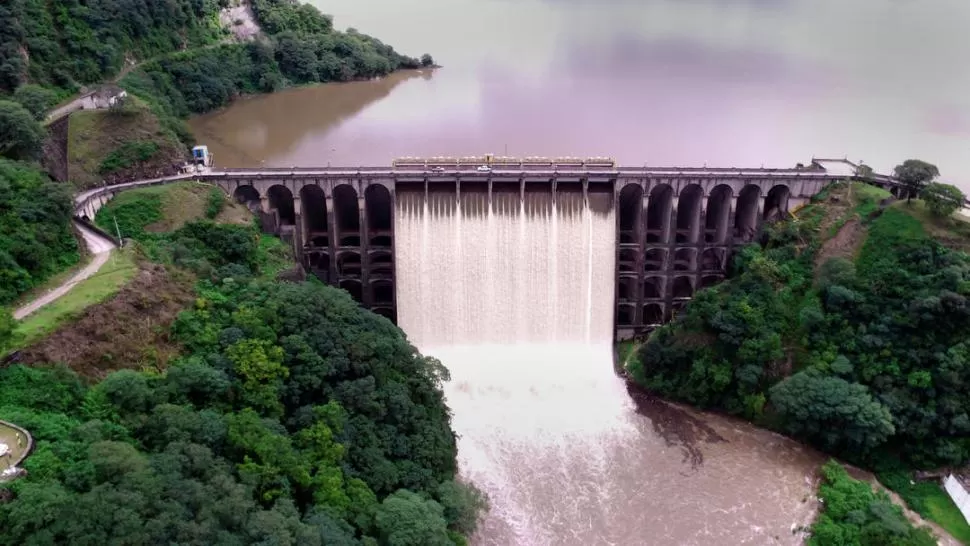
(100, 249)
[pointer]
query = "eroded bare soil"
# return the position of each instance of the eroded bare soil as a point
(130, 330)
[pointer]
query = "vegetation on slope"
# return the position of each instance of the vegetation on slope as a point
(852, 513)
(287, 414)
(36, 240)
(860, 354)
(175, 56)
(66, 43)
(117, 271)
(165, 208)
(862, 359)
(119, 144)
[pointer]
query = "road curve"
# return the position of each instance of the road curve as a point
(99, 247)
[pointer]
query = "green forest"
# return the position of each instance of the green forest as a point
(853, 514)
(36, 239)
(292, 416)
(866, 358)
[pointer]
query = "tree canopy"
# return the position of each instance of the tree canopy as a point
(943, 199)
(293, 416)
(36, 240)
(915, 174)
(21, 137)
(853, 514)
(865, 358)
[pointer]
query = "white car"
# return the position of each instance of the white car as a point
(437, 169)
(484, 169)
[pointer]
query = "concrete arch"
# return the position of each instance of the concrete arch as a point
(318, 262)
(348, 264)
(683, 287)
(354, 287)
(247, 195)
(675, 308)
(381, 262)
(281, 200)
(314, 204)
(659, 205)
(708, 281)
(685, 259)
(626, 289)
(382, 291)
(655, 259)
(689, 214)
(346, 215)
(626, 314)
(627, 261)
(746, 215)
(631, 207)
(718, 215)
(713, 259)
(387, 312)
(776, 203)
(653, 288)
(653, 314)
(377, 201)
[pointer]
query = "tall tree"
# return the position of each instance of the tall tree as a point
(943, 199)
(915, 174)
(20, 134)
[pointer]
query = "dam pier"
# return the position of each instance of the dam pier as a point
(676, 228)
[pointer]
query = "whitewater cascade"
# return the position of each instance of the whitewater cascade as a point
(515, 297)
(523, 271)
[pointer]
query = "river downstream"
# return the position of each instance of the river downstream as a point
(567, 454)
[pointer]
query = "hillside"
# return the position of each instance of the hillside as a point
(115, 145)
(846, 330)
(208, 402)
(179, 58)
(119, 309)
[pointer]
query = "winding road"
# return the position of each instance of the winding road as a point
(100, 249)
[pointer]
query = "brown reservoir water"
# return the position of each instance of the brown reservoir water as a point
(566, 453)
(667, 82)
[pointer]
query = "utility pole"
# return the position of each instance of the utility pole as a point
(118, 231)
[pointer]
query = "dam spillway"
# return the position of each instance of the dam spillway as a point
(544, 425)
(673, 234)
(676, 228)
(502, 267)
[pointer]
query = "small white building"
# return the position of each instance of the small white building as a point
(105, 96)
(957, 486)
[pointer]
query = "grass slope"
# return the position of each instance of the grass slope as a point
(952, 232)
(115, 145)
(127, 324)
(159, 209)
(115, 273)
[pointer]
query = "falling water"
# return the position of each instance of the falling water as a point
(515, 297)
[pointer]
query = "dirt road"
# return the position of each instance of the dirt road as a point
(99, 247)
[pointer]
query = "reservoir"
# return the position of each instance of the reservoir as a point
(666, 82)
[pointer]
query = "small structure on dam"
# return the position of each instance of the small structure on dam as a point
(676, 228)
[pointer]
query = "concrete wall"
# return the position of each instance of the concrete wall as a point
(340, 222)
(676, 235)
(959, 495)
(341, 229)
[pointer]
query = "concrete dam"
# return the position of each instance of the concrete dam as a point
(661, 234)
